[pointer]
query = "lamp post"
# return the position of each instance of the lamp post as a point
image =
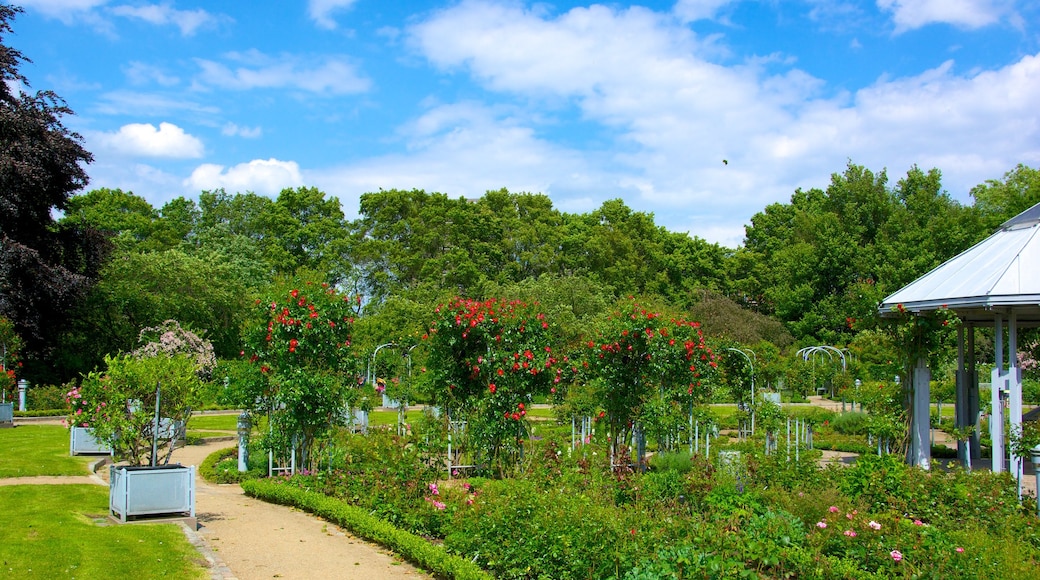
(22, 386)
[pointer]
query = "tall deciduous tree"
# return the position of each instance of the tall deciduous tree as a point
(44, 269)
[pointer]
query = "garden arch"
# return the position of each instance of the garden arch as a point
(994, 283)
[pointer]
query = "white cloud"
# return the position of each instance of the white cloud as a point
(161, 14)
(911, 14)
(465, 149)
(265, 177)
(252, 70)
(151, 104)
(321, 11)
(233, 130)
(144, 140)
(693, 10)
(139, 73)
(674, 115)
(62, 9)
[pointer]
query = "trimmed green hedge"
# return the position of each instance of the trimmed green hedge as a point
(408, 545)
(42, 413)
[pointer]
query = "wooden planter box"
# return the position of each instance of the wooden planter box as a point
(151, 491)
(82, 442)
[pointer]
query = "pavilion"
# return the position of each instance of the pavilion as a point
(995, 283)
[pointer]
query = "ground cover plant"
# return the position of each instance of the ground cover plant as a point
(569, 515)
(53, 531)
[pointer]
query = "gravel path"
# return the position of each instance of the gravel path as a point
(253, 539)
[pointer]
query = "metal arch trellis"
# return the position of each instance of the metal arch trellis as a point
(830, 351)
(752, 365)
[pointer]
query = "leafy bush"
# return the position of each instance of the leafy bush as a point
(854, 423)
(221, 466)
(46, 397)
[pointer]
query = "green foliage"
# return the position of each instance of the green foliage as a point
(119, 404)
(46, 397)
(222, 467)
(303, 373)
(486, 361)
(360, 523)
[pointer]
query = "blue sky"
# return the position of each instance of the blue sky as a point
(699, 111)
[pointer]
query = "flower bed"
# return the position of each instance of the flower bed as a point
(570, 516)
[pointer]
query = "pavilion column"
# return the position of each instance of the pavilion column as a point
(973, 395)
(996, 414)
(962, 406)
(920, 442)
(1014, 385)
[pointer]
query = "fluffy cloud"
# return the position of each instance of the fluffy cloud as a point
(466, 149)
(911, 14)
(673, 114)
(144, 140)
(233, 130)
(251, 70)
(161, 14)
(693, 10)
(321, 11)
(265, 177)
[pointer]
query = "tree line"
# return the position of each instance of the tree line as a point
(82, 271)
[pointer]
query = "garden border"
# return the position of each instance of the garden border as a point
(410, 546)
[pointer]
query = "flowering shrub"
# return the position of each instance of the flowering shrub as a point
(638, 355)
(118, 404)
(169, 338)
(11, 345)
(486, 361)
(304, 374)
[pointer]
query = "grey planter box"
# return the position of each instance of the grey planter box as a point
(151, 491)
(6, 414)
(82, 442)
(771, 397)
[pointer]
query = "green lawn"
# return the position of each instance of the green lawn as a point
(29, 450)
(213, 423)
(51, 531)
(377, 418)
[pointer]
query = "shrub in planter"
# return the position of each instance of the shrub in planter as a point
(119, 404)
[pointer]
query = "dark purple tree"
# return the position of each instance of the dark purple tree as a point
(44, 269)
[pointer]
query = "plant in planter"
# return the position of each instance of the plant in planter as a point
(122, 406)
(119, 405)
(11, 344)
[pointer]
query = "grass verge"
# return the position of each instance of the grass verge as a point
(43, 538)
(31, 450)
(414, 548)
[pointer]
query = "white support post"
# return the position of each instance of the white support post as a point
(921, 452)
(1014, 381)
(996, 415)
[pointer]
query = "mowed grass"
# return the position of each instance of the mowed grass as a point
(213, 422)
(51, 531)
(378, 418)
(30, 450)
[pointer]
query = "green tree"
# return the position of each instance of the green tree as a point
(1000, 200)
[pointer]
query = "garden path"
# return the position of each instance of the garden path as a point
(251, 539)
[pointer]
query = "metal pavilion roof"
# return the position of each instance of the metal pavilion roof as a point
(999, 274)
